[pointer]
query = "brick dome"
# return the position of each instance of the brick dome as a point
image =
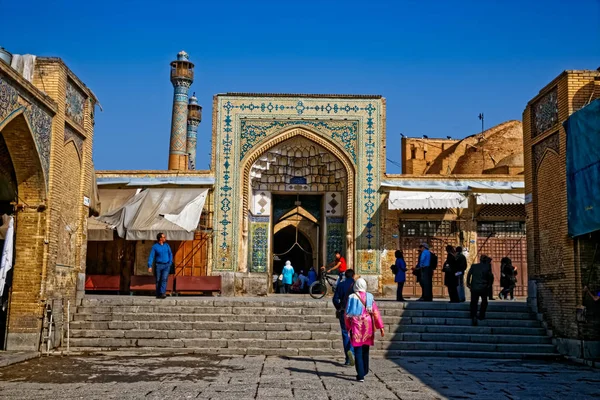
(502, 143)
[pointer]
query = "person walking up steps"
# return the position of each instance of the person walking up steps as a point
(340, 301)
(479, 280)
(362, 319)
(288, 277)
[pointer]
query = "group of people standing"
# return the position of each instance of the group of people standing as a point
(291, 282)
(454, 269)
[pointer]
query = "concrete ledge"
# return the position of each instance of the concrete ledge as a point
(584, 350)
(13, 357)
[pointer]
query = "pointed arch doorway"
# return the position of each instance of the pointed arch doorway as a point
(299, 185)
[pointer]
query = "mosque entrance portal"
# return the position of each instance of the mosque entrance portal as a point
(299, 207)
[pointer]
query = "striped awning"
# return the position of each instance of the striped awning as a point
(500, 198)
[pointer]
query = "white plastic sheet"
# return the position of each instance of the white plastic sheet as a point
(174, 212)
(7, 253)
(413, 200)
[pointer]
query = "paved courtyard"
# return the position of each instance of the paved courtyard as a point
(257, 377)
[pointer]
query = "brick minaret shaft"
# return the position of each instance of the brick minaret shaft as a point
(182, 76)
(193, 120)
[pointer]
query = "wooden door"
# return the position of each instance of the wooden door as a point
(191, 256)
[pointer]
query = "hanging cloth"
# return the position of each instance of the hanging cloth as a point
(7, 254)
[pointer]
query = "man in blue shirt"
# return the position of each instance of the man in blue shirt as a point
(162, 255)
(340, 299)
(426, 273)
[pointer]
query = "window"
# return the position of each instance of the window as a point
(427, 228)
(501, 228)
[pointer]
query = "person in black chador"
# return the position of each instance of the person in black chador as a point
(508, 279)
(450, 279)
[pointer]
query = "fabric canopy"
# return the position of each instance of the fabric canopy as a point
(110, 200)
(451, 184)
(174, 212)
(411, 200)
(583, 169)
(500, 198)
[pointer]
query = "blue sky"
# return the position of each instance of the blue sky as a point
(438, 63)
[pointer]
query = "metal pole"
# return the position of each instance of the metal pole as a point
(68, 325)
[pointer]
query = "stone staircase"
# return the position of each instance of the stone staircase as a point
(301, 326)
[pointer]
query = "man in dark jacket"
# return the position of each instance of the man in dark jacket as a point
(340, 299)
(479, 280)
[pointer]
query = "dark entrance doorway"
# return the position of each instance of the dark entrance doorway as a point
(300, 254)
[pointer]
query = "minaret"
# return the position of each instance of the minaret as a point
(182, 76)
(193, 120)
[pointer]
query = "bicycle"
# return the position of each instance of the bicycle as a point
(318, 289)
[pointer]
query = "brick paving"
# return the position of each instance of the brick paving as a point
(260, 377)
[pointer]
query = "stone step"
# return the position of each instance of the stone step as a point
(391, 326)
(150, 304)
(221, 326)
(401, 321)
(300, 326)
(251, 351)
(287, 314)
(407, 317)
(465, 354)
(334, 337)
(466, 338)
(468, 329)
(309, 319)
(206, 334)
(199, 343)
(455, 346)
(238, 302)
(317, 352)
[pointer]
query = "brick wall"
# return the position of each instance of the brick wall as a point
(48, 255)
(553, 262)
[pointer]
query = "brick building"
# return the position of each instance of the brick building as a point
(46, 184)
(560, 265)
(467, 192)
(297, 176)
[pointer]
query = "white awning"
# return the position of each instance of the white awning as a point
(412, 200)
(174, 212)
(500, 198)
(110, 200)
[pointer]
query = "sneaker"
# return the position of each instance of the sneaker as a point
(361, 380)
(350, 358)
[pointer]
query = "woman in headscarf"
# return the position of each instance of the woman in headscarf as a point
(288, 276)
(362, 319)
